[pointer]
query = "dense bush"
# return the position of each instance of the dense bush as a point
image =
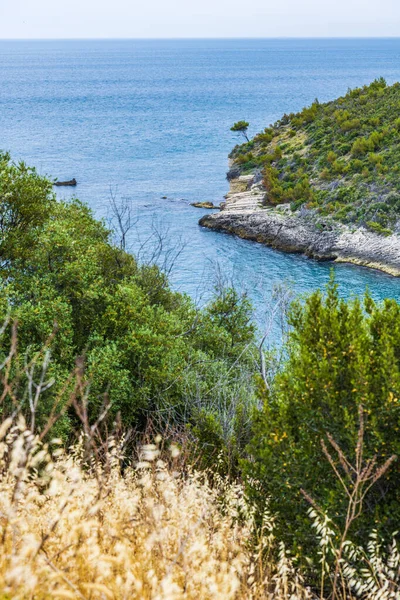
(340, 356)
(148, 347)
(294, 187)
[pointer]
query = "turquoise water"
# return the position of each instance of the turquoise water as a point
(151, 118)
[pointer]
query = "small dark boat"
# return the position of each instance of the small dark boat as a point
(72, 182)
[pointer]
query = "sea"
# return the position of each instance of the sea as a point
(145, 125)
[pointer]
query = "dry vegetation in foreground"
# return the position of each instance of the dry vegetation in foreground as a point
(69, 530)
(72, 529)
(91, 522)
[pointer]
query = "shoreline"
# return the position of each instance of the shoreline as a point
(279, 228)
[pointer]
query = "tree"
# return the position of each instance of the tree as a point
(241, 127)
(145, 345)
(340, 356)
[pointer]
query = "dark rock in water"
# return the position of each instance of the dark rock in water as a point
(163, 197)
(71, 182)
(204, 205)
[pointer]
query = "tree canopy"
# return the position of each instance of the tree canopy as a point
(341, 355)
(149, 348)
(241, 127)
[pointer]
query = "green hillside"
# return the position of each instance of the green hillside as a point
(338, 159)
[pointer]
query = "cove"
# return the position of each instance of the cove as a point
(151, 118)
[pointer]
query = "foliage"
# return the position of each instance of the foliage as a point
(241, 127)
(95, 522)
(295, 188)
(356, 479)
(148, 347)
(99, 339)
(337, 158)
(340, 356)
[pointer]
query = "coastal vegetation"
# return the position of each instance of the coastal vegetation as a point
(342, 357)
(241, 127)
(150, 448)
(336, 160)
(151, 349)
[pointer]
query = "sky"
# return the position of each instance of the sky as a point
(200, 18)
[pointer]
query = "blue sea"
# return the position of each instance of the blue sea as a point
(140, 120)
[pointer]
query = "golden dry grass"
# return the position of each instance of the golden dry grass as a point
(74, 526)
(69, 531)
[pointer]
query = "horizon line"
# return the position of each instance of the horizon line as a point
(200, 38)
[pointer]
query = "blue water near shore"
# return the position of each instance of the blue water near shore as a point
(151, 118)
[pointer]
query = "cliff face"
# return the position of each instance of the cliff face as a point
(243, 214)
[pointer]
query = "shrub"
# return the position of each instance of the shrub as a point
(377, 228)
(339, 357)
(331, 157)
(356, 165)
(339, 167)
(137, 336)
(361, 146)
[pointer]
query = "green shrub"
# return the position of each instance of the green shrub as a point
(339, 167)
(356, 165)
(138, 337)
(340, 356)
(331, 157)
(377, 228)
(361, 146)
(350, 125)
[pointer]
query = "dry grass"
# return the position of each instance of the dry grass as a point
(69, 530)
(89, 523)
(79, 527)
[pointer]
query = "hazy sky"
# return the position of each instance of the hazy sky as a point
(200, 18)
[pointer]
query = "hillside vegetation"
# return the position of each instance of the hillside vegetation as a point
(150, 448)
(148, 351)
(151, 533)
(337, 160)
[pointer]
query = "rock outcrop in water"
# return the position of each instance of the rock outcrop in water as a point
(71, 183)
(204, 205)
(244, 215)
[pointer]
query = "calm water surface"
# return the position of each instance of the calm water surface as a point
(148, 119)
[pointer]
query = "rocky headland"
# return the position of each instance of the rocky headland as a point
(324, 182)
(244, 214)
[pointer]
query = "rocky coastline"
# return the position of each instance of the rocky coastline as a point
(244, 215)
